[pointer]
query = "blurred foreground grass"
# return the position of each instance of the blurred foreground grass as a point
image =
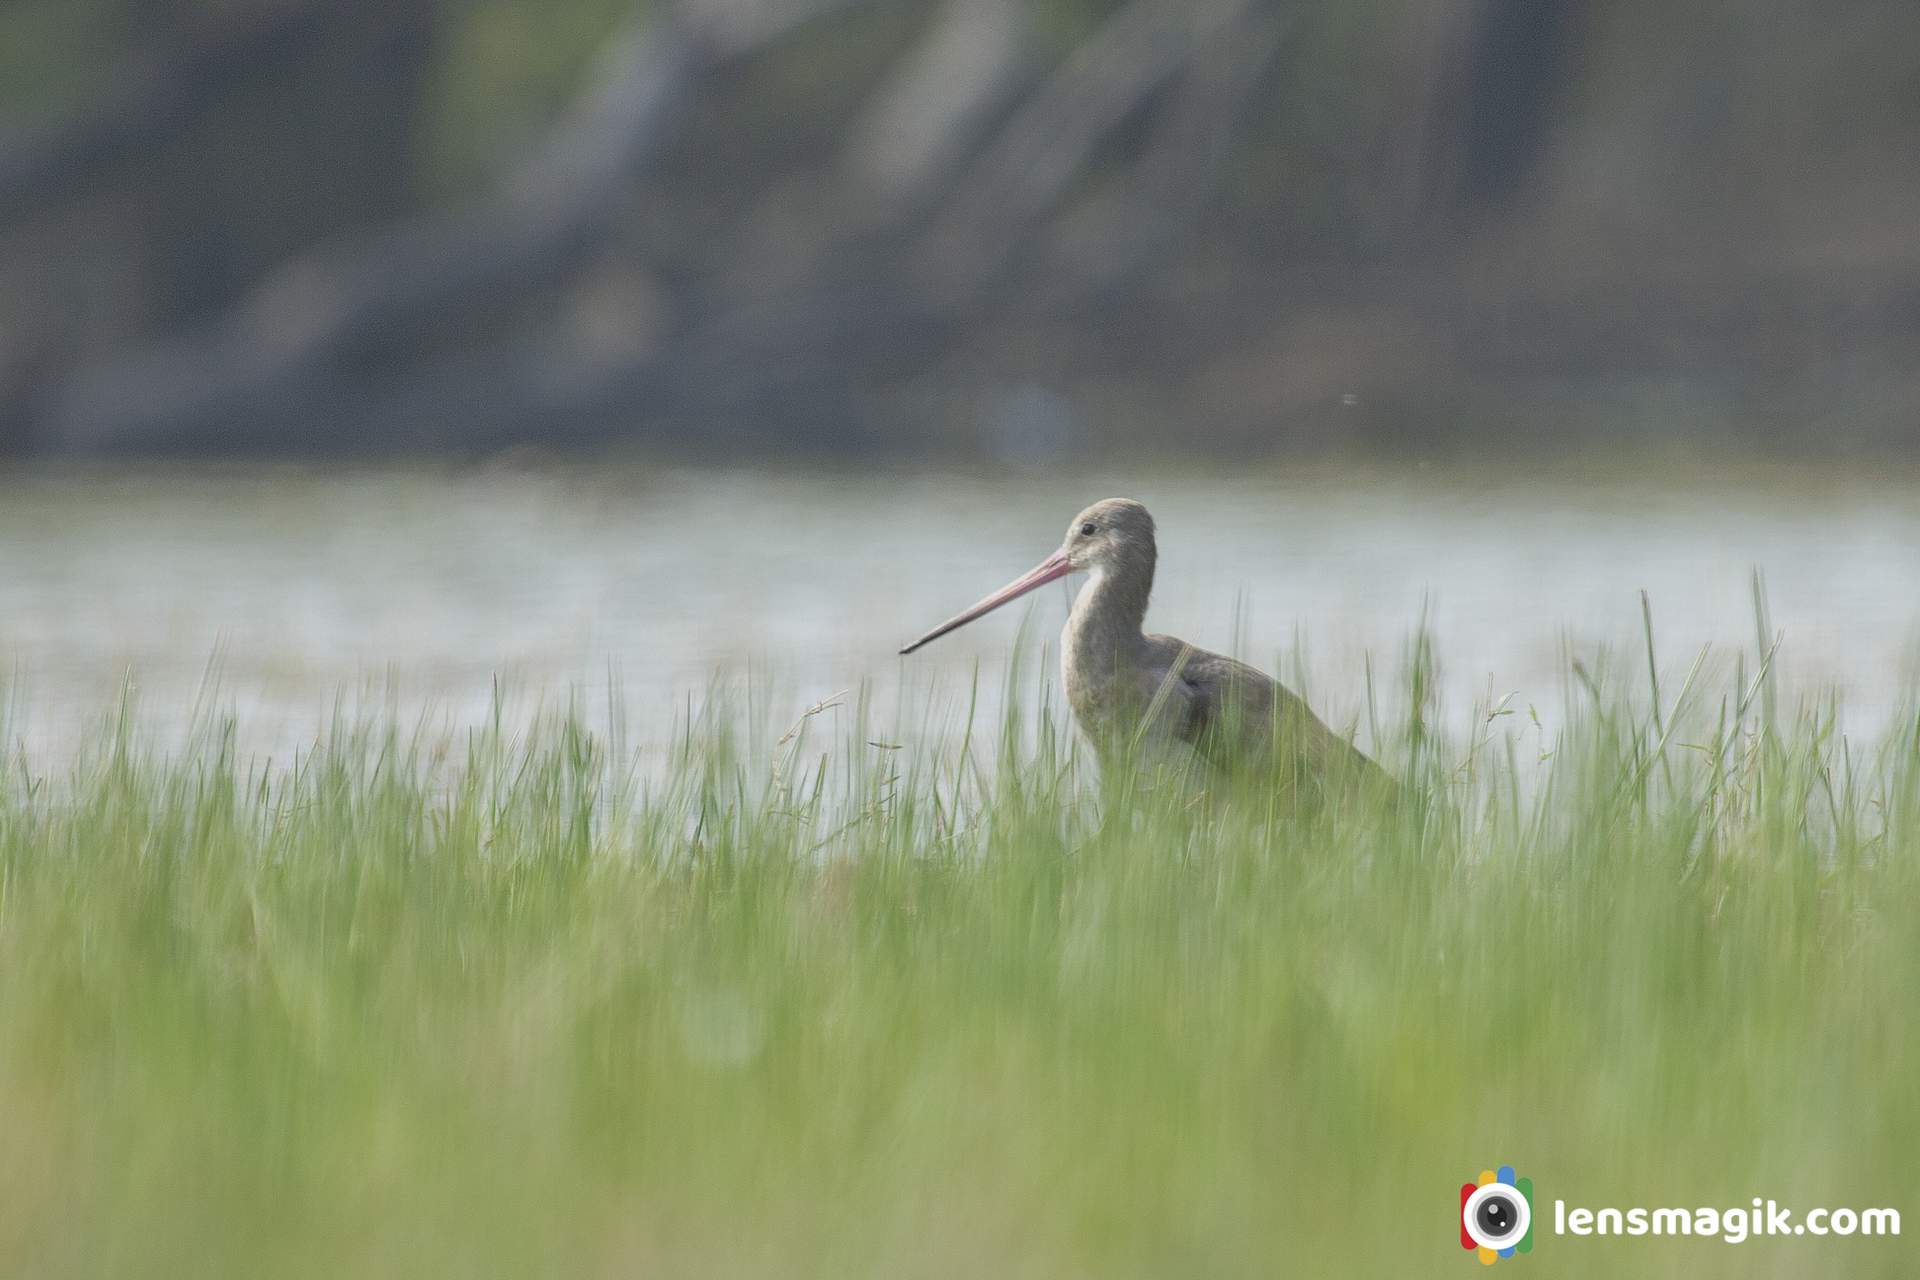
(842, 1003)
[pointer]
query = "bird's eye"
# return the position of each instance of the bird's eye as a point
(1088, 529)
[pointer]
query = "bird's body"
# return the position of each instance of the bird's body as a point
(1129, 688)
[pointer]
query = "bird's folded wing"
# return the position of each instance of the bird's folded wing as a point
(1237, 717)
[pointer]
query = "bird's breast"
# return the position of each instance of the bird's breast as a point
(1101, 687)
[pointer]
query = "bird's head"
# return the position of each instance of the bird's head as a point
(1114, 536)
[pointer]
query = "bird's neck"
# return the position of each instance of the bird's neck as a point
(1104, 628)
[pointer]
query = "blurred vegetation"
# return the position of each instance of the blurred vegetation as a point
(837, 1000)
(503, 69)
(857, 228)
(53, 52)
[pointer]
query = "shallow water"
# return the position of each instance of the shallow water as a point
(301, 586)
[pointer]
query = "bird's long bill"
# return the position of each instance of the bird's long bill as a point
(1053, 567)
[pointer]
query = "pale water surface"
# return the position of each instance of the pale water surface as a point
(429, 587)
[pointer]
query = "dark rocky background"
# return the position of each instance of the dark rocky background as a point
(957, 228)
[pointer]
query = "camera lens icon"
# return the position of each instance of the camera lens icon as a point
(1496, 1214)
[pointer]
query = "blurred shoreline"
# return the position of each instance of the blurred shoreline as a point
(956, 228)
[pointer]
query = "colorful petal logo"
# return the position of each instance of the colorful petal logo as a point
(1496, 1214)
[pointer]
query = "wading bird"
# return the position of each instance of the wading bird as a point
(1127, 687)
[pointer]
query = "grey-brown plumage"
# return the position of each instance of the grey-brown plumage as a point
(1129, 688)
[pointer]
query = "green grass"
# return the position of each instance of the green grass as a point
(804, 1005)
